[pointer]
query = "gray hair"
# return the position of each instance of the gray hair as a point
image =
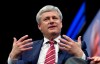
(48, 8)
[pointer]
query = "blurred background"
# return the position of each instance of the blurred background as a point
(18, 19)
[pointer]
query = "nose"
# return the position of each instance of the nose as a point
(51, 21)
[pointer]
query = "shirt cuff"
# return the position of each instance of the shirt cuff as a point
(11, 61)
(84, 56)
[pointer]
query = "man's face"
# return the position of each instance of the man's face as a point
(50, 23)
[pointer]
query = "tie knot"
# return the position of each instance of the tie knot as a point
(51, 42)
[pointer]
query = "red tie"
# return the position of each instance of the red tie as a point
(50, 56)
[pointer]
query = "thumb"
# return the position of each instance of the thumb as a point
(79, 40)
(14, 40)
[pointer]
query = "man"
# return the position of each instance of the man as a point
(49, 20)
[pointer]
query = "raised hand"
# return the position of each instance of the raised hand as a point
(71, 46)
(19, 46)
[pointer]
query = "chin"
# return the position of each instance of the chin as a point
(54, 33)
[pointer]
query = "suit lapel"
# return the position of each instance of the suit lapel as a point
(36, 51)
(61, 56)
(32, 55)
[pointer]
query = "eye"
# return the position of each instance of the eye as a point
(45, 19)
(54, 17)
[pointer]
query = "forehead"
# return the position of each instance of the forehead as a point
(49, 13)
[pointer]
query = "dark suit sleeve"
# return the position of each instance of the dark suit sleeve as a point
(17, 61)
(20, 62)
(84, 47)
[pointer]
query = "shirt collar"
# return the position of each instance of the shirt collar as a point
(56, 39)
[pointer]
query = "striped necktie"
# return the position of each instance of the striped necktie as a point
(50, 56)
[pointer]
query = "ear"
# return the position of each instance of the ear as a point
(61, 24)
(39, 26)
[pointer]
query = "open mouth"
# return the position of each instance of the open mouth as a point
(51, 27)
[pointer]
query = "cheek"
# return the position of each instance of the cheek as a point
(42, 24)
(60, 25)
(43, 27)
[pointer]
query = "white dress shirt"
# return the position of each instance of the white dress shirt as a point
(45, 48)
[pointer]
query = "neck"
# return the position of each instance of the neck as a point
(52, 36)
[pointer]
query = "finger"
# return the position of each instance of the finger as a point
(89, 58)
(14, 39)
(68, 38)
(26, 41)
(26, 45)
(79, 40)
(92, 62)
(64, 41)
(23, 38)
(64, 45)
(25, 49)
(96, 59)
(99, 59)
(64, 48)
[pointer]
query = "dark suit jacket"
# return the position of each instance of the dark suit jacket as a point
(31, 57)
